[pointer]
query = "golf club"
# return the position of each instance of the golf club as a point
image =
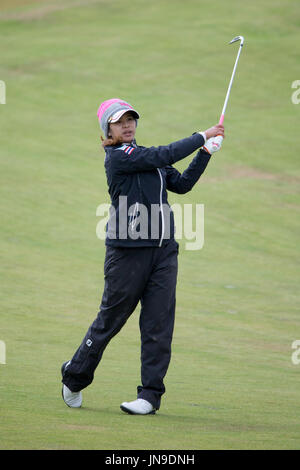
(237, 38)
(217, 142)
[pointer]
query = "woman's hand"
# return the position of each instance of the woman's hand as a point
(218, 129)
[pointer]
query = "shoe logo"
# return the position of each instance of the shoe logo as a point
(89, 343)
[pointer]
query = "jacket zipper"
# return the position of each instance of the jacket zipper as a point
(133, 216)
(161, 208)
(139, 184)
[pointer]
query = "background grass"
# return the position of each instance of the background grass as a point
(231, 383)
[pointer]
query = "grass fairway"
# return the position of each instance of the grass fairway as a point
(231, 383)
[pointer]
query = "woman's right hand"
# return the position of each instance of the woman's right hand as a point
(218, 129)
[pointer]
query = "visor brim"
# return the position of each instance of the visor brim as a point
(115, 117)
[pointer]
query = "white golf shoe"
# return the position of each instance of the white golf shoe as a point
(72, 399)
(138, 407)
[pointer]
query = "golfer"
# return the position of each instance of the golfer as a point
(141, 252)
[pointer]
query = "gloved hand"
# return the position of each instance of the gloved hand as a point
(213, 144)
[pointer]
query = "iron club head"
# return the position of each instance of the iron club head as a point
(238, 38)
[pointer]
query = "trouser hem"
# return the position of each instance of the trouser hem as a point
(150, 397)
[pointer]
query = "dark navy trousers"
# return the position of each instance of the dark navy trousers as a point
(148, 275)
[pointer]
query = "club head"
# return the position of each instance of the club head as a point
(238, 38)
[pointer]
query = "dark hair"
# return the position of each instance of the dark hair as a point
(110, 141)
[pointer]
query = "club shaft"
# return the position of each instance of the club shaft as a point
(230, 85)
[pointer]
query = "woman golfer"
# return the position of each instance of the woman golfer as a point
(141, 252)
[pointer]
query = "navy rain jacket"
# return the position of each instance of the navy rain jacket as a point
(138, 180)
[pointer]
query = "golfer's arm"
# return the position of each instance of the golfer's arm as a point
(181, 183)
(143, 159)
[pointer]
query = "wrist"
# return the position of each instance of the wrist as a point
(203, 135)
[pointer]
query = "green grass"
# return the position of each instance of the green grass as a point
(231, 383)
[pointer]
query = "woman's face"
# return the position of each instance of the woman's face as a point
(124, 129)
